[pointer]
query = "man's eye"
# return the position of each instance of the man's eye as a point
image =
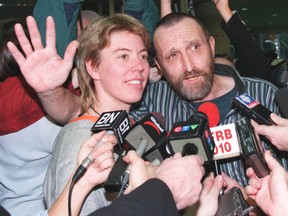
(195, 47)
(172, 56)
(124, 56)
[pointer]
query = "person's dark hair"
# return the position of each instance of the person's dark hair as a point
(8, 65)
(174, 18)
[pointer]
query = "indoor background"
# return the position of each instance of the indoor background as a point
(266, 19)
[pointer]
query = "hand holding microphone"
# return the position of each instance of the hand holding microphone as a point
(102, 156)
(115, 122)
(148, 128)
(270, 192)
(140, 171)
(276, 133)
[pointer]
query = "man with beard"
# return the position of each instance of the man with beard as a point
(185, 55)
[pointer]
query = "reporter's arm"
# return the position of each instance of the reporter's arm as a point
(153, 198)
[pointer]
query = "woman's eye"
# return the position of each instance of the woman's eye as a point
(145, 57)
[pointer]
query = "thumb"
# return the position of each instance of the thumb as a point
(131, 157)
(271, 161)
(217, 185)
(278, 120)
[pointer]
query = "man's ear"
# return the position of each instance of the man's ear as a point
(212, 44)
(92, 70)
(158, 66)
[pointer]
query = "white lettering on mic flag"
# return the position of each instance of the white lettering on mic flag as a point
(226, 141)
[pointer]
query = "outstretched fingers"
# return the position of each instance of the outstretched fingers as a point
(50, 33)
(23, 40)
(18, 56)
(34, 33)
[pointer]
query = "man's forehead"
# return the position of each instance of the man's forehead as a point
(186, 21)
(188, 28)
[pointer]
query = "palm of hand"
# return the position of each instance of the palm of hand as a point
(44, 69)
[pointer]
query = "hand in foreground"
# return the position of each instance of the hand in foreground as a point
(42, 67)
(270, 192)
(183, 176)
(277, 134)
(210, 194)
(99, 170)
(140, 171)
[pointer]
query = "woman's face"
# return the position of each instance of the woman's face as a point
(123, 71)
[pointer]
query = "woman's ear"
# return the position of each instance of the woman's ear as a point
(92, 70)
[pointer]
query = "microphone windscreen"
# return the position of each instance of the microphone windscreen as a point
(212, 112)
(281, 96)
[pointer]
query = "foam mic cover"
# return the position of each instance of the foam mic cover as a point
(281, 96)
(212, 111)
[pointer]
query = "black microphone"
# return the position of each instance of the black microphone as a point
(115, 122)
(250, 147)
(148, 128)
(281, 96)
(193, 137)
(252, 109)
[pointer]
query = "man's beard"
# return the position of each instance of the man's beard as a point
(197, 91)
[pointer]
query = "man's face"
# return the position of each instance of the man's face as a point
(185, 57)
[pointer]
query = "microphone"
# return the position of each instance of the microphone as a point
(151, 128)
(193, 137)
(250, 148)
(281, 96)
(140, 150)
(252, 109)
(115, 122)
(148, 128)
(212, 112)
